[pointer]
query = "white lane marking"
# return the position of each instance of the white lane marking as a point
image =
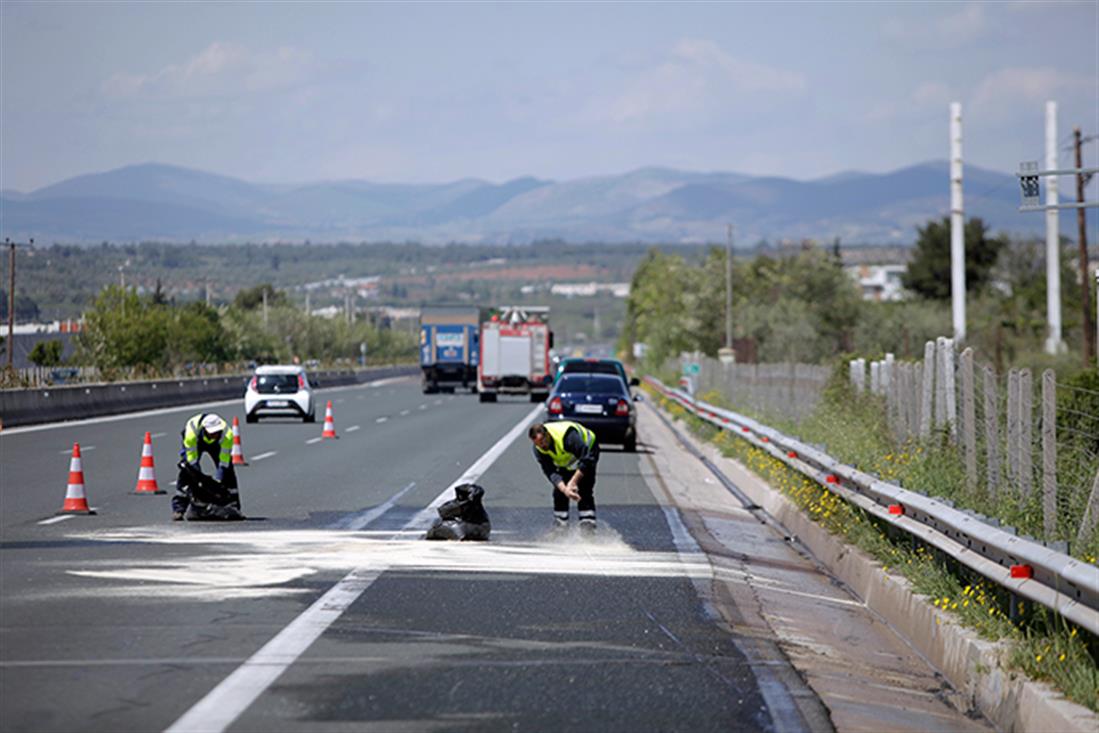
(423, 407)
(226, 702)
(339, 400)
(405, 412)
(437, 402)
(83, 449)
(381, 419)
(352, 429)
(158, 435)
(268, 454)
(55, 520)
(174, 483)
(311, 441)
(361, 520)
(171, 410)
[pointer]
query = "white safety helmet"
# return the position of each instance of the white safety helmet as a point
(213, 424)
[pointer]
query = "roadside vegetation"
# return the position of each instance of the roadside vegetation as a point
(1036, 642)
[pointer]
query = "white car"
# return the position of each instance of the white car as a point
(279, 391)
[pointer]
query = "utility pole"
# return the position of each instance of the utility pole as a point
(957, 225)
(207, 281)
(11, 303)
(726, 354)
(1081, 221)
(265, 308)
(1054, 342)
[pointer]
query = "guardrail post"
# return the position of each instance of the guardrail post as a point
(1049, 454)
(1026, 441)
(969, 419)
(926, 386)
(992, 433)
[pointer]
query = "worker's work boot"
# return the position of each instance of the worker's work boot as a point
(587, 527)
(177, 516)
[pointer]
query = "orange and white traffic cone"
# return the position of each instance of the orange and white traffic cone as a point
(238, 452)
(146, 475)
(329, 424)
(75, 500)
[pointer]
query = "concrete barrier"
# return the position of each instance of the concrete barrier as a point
(74, 402)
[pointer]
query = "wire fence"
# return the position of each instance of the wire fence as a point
(1028, 451)
(785, 390)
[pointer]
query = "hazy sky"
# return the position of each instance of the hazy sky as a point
(286, 92)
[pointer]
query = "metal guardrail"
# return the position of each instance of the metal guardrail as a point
(1026, 568)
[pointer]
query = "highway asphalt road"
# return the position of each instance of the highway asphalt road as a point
(327, 611)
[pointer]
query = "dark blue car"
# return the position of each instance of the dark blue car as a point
(600, 402)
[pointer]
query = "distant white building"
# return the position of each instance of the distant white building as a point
(588, 290)
(879, 282)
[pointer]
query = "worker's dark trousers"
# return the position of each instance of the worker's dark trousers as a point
(199, 498)
(586, 505)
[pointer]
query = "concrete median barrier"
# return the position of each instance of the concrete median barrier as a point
(74, 402)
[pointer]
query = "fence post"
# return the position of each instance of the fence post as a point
(1013, 428)
(950, 394)
(992, 433)
(1026, 425)
(969, 418)
(1049, 454)
(927, 385)
(1091, 512)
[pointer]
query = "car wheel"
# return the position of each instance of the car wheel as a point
(250, 418)
(487, 397)
(631, 443)
(311, 417)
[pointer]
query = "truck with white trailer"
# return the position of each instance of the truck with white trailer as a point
(449, 347)
(515, 353)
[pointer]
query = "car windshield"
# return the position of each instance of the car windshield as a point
(592, 384)
(591, 367)
(272, 383)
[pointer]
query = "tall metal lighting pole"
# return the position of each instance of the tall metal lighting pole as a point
(11, 303)
(957, 224)
(727, 354)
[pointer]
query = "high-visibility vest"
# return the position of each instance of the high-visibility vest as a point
(560, 457)
(191, 447)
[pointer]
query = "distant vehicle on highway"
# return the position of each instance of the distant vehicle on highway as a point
(279, 391)
(599, 402)
(449, 347)
(589, 365)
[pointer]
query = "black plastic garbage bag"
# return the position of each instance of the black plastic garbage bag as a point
(463, 517)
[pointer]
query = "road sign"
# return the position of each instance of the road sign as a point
(1028, 183)
(692, 368)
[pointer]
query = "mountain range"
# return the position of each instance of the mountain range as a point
(156, 202)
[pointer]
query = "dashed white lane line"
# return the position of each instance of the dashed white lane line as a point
(83, 449)
(352, 429)
(55, 520)
(158, 435)
(268, 454)
(437, 402)
(236, 693)
(423, 407)
(404, 412)
(311, 441)
(381, 419)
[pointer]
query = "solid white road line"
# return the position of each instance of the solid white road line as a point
(170, 410)
(361, 520)
(268, 454)
(226, 702)
(55, 520)
(352, 429)
(311, 441)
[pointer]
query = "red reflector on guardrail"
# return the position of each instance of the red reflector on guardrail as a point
(1022, 571)
(897, 509)
(791, 454)
(745, 430)
(765, 439)
(831, 479)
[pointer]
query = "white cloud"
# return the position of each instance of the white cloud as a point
(1016, 86)
(695, 77)
(220, 69)
(965, 25)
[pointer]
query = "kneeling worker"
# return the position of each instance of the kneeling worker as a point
(199, 496)
(568, 454)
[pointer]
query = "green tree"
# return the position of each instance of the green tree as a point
(928, 273)
(46, 353)
(123, 330)
(252, 298)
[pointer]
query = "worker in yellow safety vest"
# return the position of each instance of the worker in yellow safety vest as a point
(199, 496)
(568, 454)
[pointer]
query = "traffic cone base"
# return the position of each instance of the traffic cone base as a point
(146, 474)
(329, 423)
(75, 500)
